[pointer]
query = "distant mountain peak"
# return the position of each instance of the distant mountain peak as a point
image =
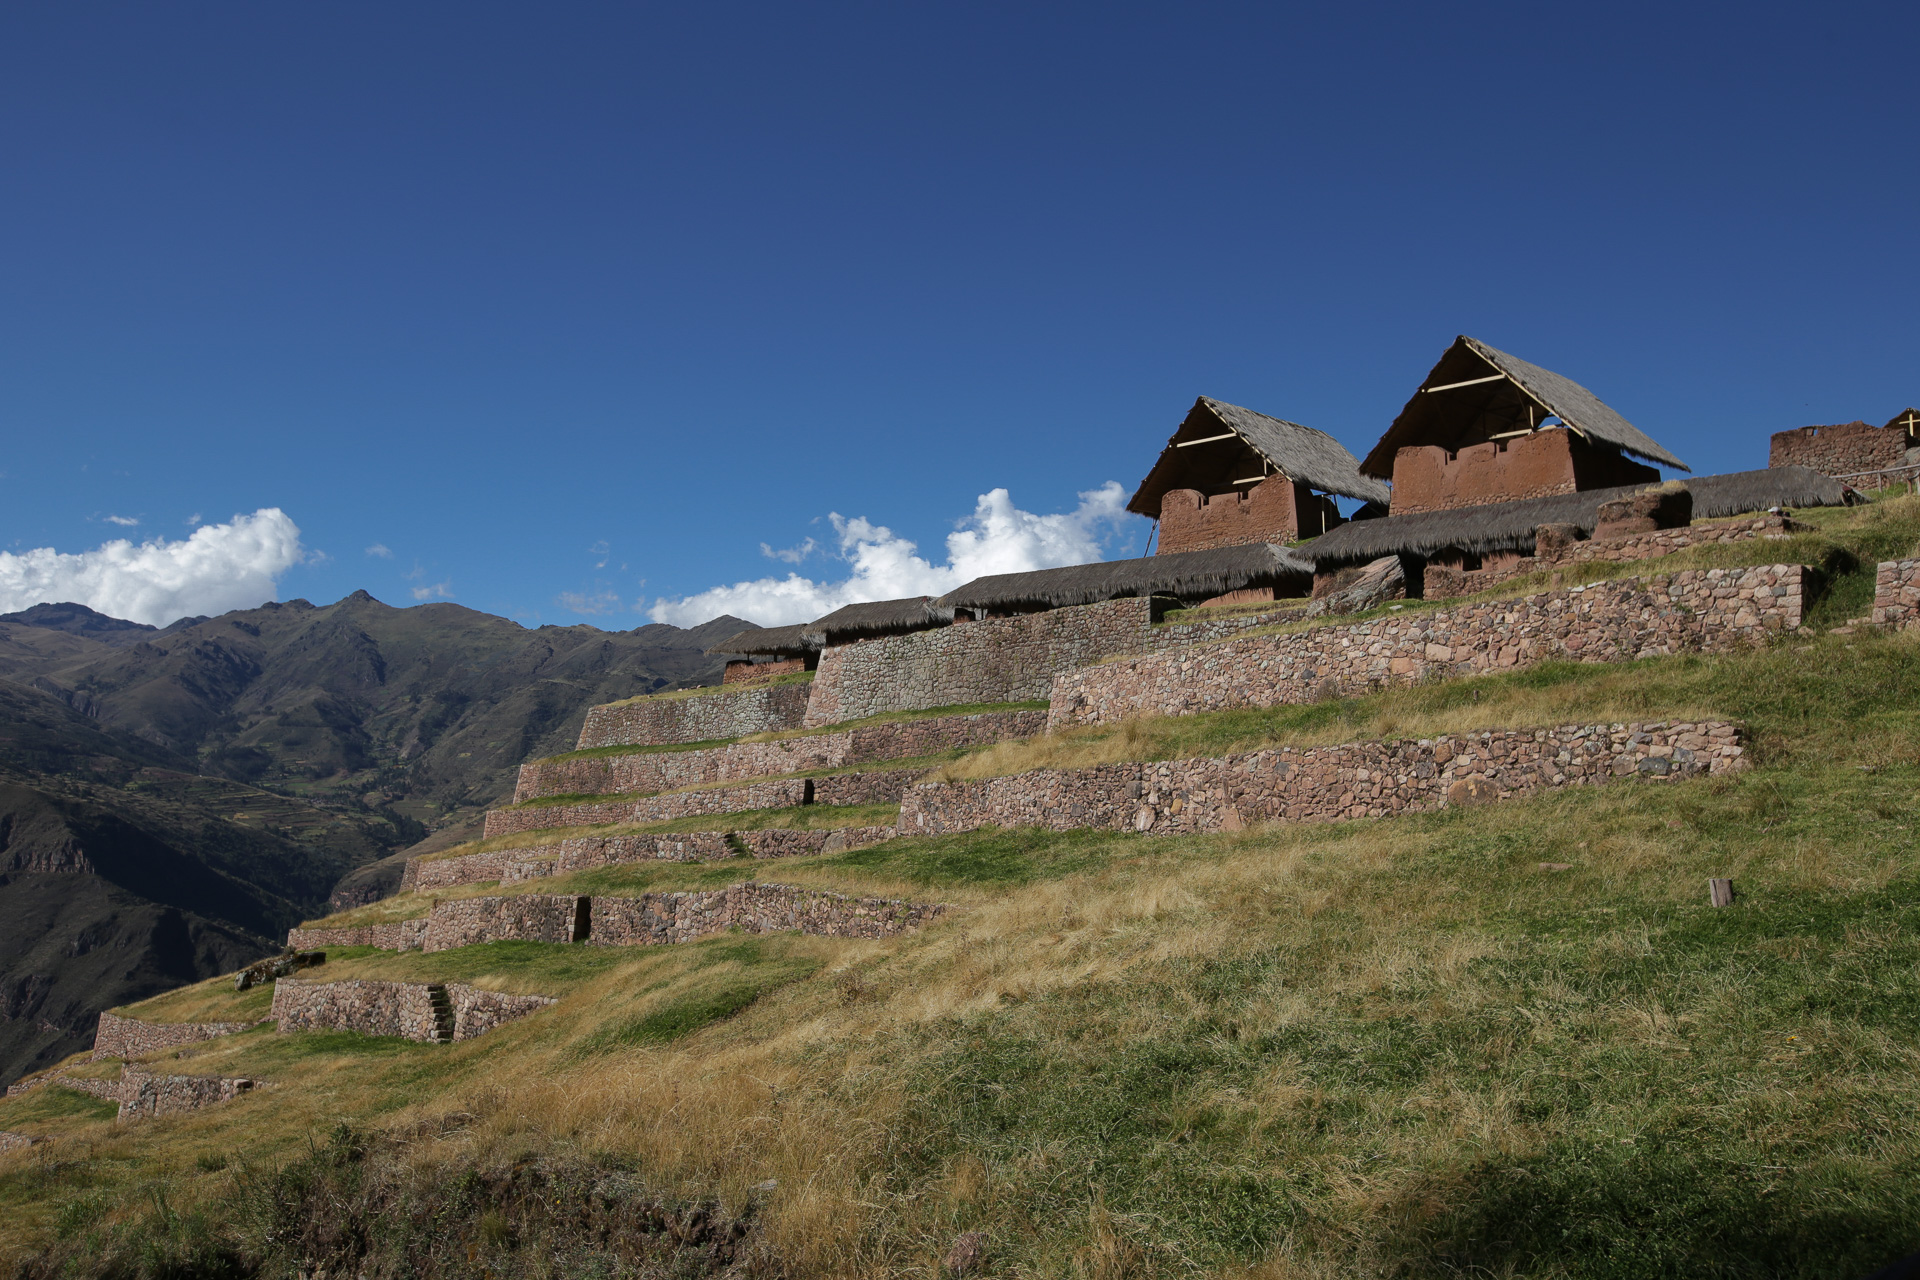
(77, 619)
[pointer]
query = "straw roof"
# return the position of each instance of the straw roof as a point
(877, 618)
(1256, 445)
(1509, 526)
(1190, 575)
(765, 641)
(1516, 396)
(1738, 491)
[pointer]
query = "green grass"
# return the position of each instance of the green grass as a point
(57, 1102)
(736, 972)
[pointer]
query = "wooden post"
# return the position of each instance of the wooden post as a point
(1720, 892)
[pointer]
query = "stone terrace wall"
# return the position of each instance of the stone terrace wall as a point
(467, 922)
(1179, 635)
(1845, 448)
(146, 1095)
(1896, 594)
(10, 1141)
(877, 787)
(392, 1008)
(999, 660)
(654, 771)
(119, 1037)
(392, 935)
(1711, 610)
(511, 866)
(1442, 582)
(1356, 780)
(665, 718)
(659, 918)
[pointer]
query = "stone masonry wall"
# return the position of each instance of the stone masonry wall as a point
(467, 922)
(392, 1008)
(1443, 582)
(658, 918)
(654, 771)
(998, 660)
(1711, 610)
(1843, 449)
(392, 935)
(1896, 594)
(511, 866)
(119, 1037)
(663, 718)
(148, 1095)
(1355, 780)
(877, 787)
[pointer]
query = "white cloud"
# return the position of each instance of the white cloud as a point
(997, 538)
(193, 520)
(442, 589)
(792, 555)
(599, 602)
(125, 521)
(218, 568)
(380, 552)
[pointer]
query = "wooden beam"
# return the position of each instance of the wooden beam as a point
(1185, 444)
(1470, 382)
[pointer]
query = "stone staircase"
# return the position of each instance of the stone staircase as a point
(442, 1032)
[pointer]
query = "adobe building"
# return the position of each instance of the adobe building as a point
(760, 653)
(1852, 449)
(1487, 427)
(1229, 477)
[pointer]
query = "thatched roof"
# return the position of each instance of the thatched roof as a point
(1738, 491)
(1509, 526)
(1190, 575)
(1516, 396)
(877, 618)
(765, 641)
(1256, 445)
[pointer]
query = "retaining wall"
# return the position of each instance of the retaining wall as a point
(1710, 610)
(1355, 780)
(1896, 594)
(999, 660)
(733, 712)
(1443, 582)
(119, 1037)
(393, 935)
(654, 771)
(1844, 448)
(658, 918)
(392, 1008)
(466, 922)
(146, 1095)
(14, 1141)
(511, 866)
(883, 786)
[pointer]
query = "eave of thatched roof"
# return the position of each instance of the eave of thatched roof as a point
(1509, 526)
(1519, 398)
(1186, 574)
(1258, 444)
(877, 618)
(767, 641)
(1738, 491)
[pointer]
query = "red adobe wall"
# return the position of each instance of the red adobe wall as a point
(1549, 462)
(1845, 448)
(747, 671)
(1275, 510)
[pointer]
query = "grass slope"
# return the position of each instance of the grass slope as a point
(1390, 1048)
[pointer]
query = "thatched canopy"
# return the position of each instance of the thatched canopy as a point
(1477, 393)
(1189, 575)
(777, 642)
(877, 618)
(1738, 491)
(1222, 446)
(1509, 526)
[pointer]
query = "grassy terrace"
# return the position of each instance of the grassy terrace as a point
(870, 766)
(1398, 1047)
(890, 717)
(706, 690)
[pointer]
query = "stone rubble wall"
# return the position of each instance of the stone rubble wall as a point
(1842, 449)
(119, 1037)
(998, 660)
(1354, 780)
(880, 786)
(392, 1008)
(661, 918)
(1711, 610)
(1896, 594)
(467, 922)
(706, 717)
(10, 1141)
(581, 853)
(1179, 635)
(1443, 583)
(654, 771)
(148, 1095)
(391, 935)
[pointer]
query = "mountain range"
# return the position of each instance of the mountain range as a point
(173, 799)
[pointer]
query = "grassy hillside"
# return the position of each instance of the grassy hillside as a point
(1410, 1047)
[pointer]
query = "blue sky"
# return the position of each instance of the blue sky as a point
(573, 308)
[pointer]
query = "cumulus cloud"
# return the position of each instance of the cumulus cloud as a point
(220, 567)
(379, 551)
(442, 589)
(792, 555)
(997, 538)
